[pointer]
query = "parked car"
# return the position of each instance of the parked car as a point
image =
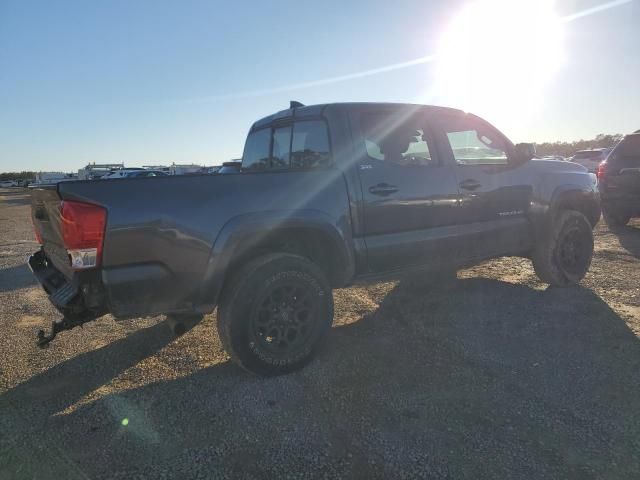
(619, 179)
(591, 159)
(131, 173)
(328, 195)
(8, 183)
(229, 167)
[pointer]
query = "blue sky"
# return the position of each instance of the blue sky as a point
(155, 82)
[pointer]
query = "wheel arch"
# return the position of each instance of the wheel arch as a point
(310, 233)
(568, 197)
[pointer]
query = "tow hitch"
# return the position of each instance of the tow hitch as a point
(65, 323)
(79, 303)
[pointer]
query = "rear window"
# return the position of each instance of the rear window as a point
(630, 145)
(627, 151)
(256, 150)
(305, 145)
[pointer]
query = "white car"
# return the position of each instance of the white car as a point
(8, 183)
(591, 158)
(129, 173)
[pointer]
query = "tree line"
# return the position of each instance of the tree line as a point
(567, 149)
(17, 176)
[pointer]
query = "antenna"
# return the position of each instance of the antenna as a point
(295, 104)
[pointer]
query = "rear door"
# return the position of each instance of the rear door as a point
(409, 194)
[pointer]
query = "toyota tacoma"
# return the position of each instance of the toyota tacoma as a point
(326, 196)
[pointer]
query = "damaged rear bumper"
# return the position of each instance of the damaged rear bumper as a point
(79, 299)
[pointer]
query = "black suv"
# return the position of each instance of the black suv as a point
(619, 178)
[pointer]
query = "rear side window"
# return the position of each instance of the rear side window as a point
(256, 150)
(310, 146)
(396, 139)
(627, 152)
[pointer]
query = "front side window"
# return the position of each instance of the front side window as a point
(310, 145)
(256, 150)
(396, 139)
(474, 143)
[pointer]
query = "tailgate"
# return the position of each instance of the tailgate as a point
(45, 211)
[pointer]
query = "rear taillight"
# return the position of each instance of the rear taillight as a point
(602, 170)
(82, 226)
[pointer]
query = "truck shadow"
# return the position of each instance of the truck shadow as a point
(534, 380)
(629, 237)
(15, 278)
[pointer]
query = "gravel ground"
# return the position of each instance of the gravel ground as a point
(498, 377)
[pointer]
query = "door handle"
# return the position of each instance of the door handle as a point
(383, 189)
(470, 184)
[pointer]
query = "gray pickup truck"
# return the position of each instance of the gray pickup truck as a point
(328, 195)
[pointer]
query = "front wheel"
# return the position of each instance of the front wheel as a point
(564, 256)
(274, 313)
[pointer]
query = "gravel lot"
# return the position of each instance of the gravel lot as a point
(498, 377)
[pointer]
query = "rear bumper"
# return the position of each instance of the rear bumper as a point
(61, 291)
(78, 296)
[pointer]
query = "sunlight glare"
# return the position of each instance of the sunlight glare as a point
(497, 56)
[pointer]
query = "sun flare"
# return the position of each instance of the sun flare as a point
(496, 57)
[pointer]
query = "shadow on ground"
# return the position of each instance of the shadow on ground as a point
(15, 197)
(488, 380)
(629, 237)
(15, 278)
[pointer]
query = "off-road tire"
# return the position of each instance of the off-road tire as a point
(570, 230)
(253, 324)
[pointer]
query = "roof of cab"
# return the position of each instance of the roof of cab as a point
(317, 110)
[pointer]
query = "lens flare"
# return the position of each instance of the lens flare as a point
(496, 57)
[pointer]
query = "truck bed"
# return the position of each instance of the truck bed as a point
(159, 241)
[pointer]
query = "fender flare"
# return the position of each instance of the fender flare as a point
(565, 194)
(256, 225)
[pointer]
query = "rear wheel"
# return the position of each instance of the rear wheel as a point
(274, 313)
(564, 256)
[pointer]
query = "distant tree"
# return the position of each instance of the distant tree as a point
(17, 176)
(567, 149)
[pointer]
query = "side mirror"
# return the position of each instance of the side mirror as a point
(525, 151)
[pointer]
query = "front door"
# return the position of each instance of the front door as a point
(409, 194)
(495, 194)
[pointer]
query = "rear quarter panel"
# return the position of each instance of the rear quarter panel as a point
(161, 231)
